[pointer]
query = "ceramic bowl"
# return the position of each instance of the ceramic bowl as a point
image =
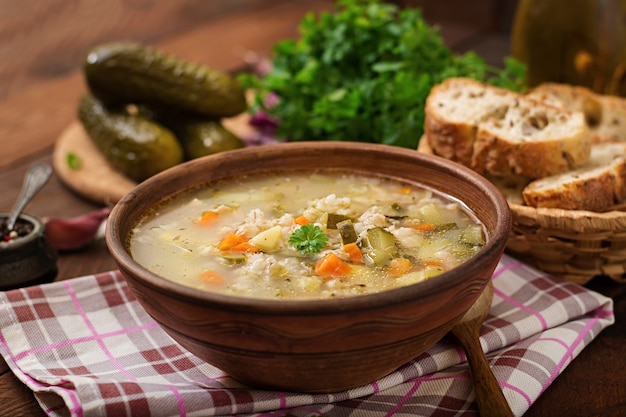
(313, 345)
(27, 260)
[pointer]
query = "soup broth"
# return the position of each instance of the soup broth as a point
(306, 235)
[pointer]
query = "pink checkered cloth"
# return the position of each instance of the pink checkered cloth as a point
(85, 347)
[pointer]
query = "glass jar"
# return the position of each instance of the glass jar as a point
(580, 42)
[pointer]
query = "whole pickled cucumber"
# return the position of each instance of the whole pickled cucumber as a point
(136, 146)
(204, 137)
(125, 72)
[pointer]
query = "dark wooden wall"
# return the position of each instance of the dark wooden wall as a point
(493, 15)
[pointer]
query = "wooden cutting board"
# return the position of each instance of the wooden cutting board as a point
(94, 178)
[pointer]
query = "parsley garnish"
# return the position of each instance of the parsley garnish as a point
(308, 239)
(362, 73)
(73, 161)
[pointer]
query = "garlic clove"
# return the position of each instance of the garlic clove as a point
(75, 233)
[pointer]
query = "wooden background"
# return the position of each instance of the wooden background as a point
(43, 43)
(43, 39)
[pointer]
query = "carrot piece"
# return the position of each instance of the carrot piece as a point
(425, 227)
(353, 250)
(405, 190)
(231, 240)
(211, 277)
(433, 262)
(244, 247)
(301, 220)
(208, 218)
(399, 267)
(331, 266)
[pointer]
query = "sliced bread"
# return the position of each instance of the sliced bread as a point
(500, 132)
(532, 140)
(453, 111)
(597, 186)
(511, 187)
(605, 115)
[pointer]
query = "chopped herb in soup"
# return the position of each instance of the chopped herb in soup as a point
(314, 235)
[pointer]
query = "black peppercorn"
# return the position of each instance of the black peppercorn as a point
(21, 229)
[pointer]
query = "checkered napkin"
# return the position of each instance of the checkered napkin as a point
(85, 347)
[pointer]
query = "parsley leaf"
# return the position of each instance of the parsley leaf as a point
(73, 161)
(362, 73)
(308, 239)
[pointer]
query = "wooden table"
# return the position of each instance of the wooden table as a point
(44, 83)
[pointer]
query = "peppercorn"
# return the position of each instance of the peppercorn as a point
(21, 229)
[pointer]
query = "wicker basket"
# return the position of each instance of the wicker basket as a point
(576, 245)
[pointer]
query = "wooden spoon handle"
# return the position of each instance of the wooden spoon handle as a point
(489, 397)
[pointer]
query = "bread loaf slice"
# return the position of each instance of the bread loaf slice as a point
(597, 186)
(454, 109)
(605, 115)
(511, 187)
(499, 132)
(533, 140)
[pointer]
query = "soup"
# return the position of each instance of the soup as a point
(305, 235)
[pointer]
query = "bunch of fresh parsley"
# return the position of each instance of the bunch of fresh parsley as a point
(362, 73)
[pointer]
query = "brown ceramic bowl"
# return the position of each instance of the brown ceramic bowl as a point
(313, 345)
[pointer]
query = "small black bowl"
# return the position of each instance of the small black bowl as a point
(29, 259)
